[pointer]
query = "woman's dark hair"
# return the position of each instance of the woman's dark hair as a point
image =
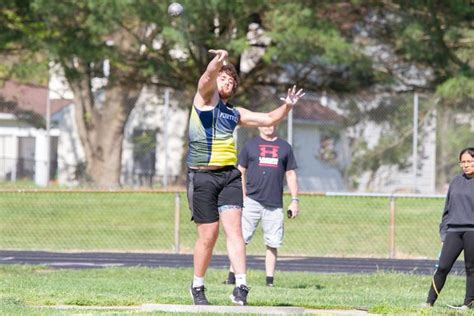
(469, 150)
(230, 70)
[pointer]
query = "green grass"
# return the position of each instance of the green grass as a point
(24, 288)
(140, 221)
(86, 221)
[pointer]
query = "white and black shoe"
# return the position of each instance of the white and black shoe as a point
(239, 295)
(198, 295)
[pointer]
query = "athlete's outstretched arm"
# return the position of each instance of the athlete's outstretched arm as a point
(250, 118)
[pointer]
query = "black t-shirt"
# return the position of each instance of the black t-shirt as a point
(266, 163)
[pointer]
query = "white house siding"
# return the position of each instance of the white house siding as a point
(41, 153)
(313, 173)
(8, 147)
(70, 149)
(34, 151)
(149, 114)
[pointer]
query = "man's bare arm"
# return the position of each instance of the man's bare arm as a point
(207, 87)
(250, 118)
(292, 182)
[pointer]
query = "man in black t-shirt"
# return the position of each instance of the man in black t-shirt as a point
(264, 162)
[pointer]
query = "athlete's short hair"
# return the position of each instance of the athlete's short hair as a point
(229, 69)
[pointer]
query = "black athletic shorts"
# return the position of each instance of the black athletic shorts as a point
(213, 191)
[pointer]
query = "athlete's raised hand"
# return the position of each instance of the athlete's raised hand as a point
(293, 96)
(221, 54)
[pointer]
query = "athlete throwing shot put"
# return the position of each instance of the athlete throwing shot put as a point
(214, 184)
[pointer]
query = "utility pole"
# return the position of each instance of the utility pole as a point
(415, 140)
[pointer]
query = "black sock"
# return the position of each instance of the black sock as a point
(269, 280)
(231, 278)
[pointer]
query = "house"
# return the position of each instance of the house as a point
(321, 146)
(24, 137)
(27, 147)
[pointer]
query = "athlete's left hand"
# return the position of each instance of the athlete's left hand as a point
(293, 96)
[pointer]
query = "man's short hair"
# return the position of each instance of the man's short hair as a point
(229, 69)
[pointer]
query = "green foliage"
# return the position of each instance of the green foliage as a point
(460, 136)
(32, 69)
(412, 43)
(300, 36)
(74, 33)
(438, 34)
(435, 33)
(457, 90)
(19, 44)
(309, 43)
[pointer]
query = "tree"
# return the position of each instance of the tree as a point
(139, 44)
(21, 59)
(438, 34)
(434, 36)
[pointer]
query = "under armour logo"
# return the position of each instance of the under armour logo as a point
(269, 151)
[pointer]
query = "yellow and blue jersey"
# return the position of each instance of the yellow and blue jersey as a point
(211, 139)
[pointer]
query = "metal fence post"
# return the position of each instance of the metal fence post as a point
(391, 237)
(177, 208)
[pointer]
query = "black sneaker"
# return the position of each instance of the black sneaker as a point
(239, 295)
(197, 293)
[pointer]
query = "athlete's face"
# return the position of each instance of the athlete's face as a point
(225, 85)
(268, 131)
(467, 164)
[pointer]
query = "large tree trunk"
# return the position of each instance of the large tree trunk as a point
(101, 130)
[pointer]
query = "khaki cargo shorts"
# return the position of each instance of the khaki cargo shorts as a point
(272, 222)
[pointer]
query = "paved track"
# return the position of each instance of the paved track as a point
(82, 260)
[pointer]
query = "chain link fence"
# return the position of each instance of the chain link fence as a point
(330, 224)
(354, 145)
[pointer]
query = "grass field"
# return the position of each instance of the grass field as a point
(24, 288)
(143, 221)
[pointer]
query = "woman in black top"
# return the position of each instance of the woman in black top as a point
(457, 230)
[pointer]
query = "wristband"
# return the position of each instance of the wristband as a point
(295, 199)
